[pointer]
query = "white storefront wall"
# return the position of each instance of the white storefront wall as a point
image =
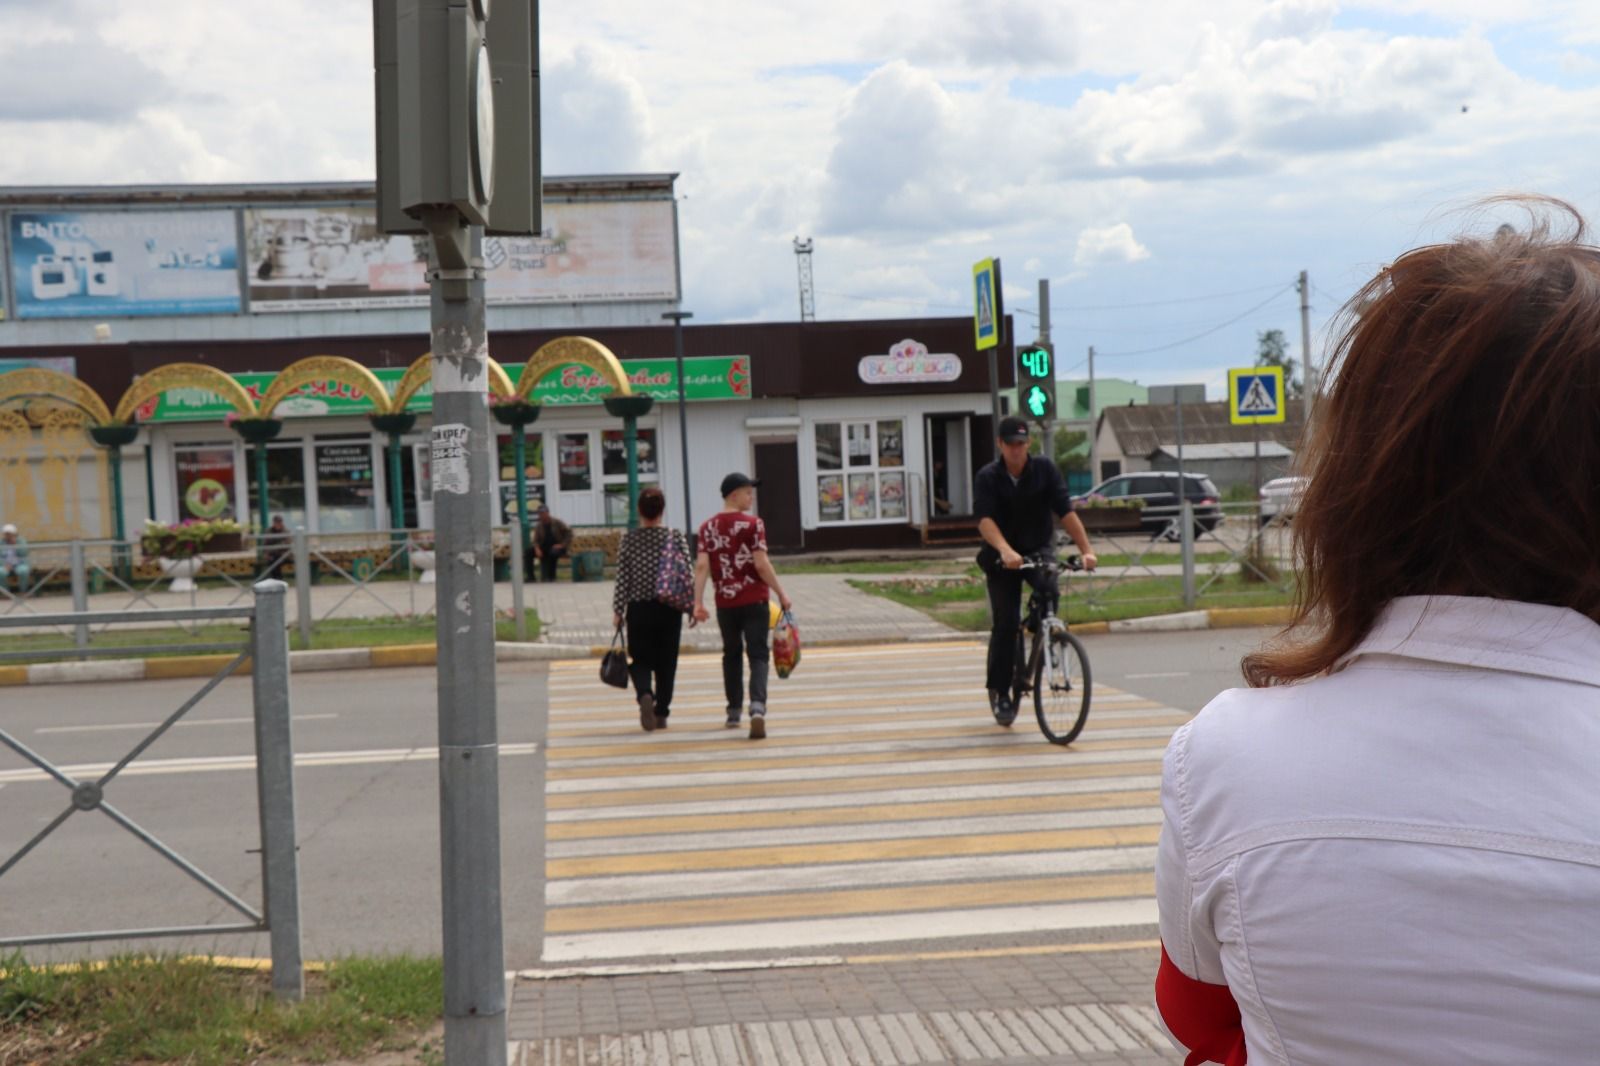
(911, 412)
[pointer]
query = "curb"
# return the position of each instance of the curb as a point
(300, 662)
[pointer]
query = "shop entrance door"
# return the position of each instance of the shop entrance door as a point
(778, 499)
(575, 495)
(950, 462)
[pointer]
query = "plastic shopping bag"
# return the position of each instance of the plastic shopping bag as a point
(786, 645)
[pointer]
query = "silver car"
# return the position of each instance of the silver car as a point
(1280, 498)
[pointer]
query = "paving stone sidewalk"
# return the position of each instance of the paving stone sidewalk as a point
(1067, 1007)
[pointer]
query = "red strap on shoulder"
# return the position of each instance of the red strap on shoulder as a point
(1203, 1017)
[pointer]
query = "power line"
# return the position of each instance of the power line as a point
(1219, 326)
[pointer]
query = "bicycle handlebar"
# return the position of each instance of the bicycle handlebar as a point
(1045, 562)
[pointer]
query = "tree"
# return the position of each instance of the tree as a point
(1273, 350)
(1067, 442)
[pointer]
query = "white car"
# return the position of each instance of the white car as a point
(1280, 498)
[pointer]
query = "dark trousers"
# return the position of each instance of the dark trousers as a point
(744, 632)
(654, 630)
(549, 560)
(1005, 604)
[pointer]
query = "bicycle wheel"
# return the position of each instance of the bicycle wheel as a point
(1061, 688)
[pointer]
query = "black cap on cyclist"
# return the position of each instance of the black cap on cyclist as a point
(1013, 430)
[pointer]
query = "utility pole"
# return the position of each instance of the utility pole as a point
(677, 318)
(1094, 426)
(1310, 371)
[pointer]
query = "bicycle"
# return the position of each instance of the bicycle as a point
(1056, 669)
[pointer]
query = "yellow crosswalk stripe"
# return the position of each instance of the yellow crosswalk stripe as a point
(755, 762)
(734, 792)
(850, 901)
(864, 851)
(851, 815)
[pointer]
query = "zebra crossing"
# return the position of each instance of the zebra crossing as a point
(884, 806)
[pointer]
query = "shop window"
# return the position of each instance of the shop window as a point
(286, 483)
(345, 497)
(573, 462)
(205, 481)
(614, 453)
(617, 502)
(532, 474)
(872, 486)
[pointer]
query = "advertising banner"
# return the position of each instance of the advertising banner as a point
(713, 377)
(330, 259)
(588, 253)
(336, 258)
(78, 264)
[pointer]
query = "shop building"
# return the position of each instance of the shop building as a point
(864, 433)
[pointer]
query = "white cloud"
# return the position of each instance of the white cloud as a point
(1109, 244)
(596, 119)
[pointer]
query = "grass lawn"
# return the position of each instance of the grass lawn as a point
(163, 1010)
(882, 566)
(333, 633)
(963, 605)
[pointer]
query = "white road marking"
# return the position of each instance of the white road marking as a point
(863, 929)
(210, 764)
(180, 722)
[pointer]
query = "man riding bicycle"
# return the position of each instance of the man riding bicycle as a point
(1018, 498)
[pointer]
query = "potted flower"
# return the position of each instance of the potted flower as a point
(1103, 514)
(179, 546)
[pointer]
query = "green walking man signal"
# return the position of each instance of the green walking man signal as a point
(1036, 381)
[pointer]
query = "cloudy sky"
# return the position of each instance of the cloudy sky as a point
(1170, 173)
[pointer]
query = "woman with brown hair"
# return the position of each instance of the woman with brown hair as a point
(654, 628)
(1388, 848)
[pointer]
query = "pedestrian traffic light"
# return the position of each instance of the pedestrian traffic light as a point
(458, 112)
(1036, 381)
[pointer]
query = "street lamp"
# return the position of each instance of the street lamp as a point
(677, 318)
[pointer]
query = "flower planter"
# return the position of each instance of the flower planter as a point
(182, 572)
(424, 561)
(1111, 519)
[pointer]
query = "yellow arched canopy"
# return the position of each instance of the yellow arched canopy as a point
(54, 385)
(184, 376)
(420, 373)
(319, 368)
(581, 350)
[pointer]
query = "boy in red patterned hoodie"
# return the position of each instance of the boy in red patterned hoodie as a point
(733, 557)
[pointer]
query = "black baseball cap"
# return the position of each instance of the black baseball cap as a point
(734, 482)
(1013, 430)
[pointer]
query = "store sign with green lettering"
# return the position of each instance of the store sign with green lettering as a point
(706, 378)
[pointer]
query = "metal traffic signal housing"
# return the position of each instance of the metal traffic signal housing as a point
(457, 89)
(1036, 381)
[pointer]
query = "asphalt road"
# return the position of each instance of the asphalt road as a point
(367, 799)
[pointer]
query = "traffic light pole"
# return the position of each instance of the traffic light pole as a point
(469, 748)
(1044, 340)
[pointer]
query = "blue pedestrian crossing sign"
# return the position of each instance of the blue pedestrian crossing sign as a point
(986, 303)
(1255, 395)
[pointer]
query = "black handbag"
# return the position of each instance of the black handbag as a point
(614, 664)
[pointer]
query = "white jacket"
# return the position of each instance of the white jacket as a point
(1400, 862)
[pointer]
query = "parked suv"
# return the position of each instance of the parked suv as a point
(1159, 491)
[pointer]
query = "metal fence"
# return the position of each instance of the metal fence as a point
(1232, 553)
(371, 577)
(266, 650)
